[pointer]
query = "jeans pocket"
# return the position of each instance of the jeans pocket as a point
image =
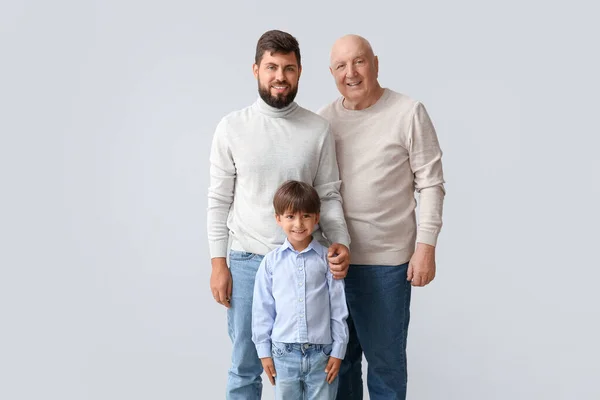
(240, 255)
(278, 349)
(327, 349)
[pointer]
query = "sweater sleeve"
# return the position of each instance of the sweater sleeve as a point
(327, 183)
(426, 163)
(220, 192)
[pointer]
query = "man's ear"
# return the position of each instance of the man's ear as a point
(376, 66)
(255, 70)
(299, 71)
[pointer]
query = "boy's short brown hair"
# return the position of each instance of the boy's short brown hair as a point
(295, 196)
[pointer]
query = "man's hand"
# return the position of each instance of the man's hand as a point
(269, 368)
(339, 260)
(332, 368)
(220, 281)
(421, 268)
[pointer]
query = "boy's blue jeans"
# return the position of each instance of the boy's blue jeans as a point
(300, 370)
(378, 300)
(244, 381)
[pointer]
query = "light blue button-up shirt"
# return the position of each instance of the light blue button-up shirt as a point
(296, 300)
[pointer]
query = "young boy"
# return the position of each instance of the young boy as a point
(299, 311)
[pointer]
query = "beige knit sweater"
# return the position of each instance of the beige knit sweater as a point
(385, 153)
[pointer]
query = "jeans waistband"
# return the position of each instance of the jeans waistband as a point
(303, 346)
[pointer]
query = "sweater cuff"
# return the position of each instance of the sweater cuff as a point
(218, 248)
(427, 237)
(338, 350)
(263, 349)
(339, 237)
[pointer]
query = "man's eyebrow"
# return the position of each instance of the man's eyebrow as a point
(359, 55)
(285, 66)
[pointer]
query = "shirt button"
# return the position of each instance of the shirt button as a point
(300, 300)
(301, 315)
(300, 284)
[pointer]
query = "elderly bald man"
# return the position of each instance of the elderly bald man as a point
(387, 149)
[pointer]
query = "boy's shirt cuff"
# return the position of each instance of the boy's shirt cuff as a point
(263, 349)
(338, 350)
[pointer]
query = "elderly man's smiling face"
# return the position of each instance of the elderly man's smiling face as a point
(355, 68)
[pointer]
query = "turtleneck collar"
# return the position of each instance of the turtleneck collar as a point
(266, 109)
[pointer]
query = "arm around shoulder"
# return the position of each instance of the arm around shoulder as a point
(327, 183)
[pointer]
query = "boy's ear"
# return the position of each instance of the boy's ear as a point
(318, 218)
(278, 219)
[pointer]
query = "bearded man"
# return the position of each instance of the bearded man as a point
(254, 150)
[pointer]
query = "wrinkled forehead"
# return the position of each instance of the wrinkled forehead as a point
(349, 49)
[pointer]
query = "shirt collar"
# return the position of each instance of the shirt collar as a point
(313, 245)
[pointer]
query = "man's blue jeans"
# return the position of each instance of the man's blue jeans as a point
(300, 370)
(378, 300)
(244, 381)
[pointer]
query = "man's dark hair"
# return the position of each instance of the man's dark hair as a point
(294, 196)
(276, 42)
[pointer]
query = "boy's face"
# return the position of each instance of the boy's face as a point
(298, 227)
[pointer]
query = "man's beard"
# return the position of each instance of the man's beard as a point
(278, 101)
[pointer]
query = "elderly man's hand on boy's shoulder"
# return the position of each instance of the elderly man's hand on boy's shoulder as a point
(339, 260)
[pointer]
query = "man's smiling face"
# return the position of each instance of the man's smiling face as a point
(354, 68)
(278, 75)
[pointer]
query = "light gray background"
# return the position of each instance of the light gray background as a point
(107, 110)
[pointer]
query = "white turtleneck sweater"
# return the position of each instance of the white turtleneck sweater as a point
(386, 152)
(254, 151)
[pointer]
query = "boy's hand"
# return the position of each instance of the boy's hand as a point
(332, 369)
(269, 368)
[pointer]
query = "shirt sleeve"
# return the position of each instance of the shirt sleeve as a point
(220, 192)
(327, 183)
(426, 163)
(339, 314)
(263, 310)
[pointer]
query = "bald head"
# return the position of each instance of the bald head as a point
(355, 44)
(355, 68)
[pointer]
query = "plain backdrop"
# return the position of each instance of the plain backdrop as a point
(107, 111)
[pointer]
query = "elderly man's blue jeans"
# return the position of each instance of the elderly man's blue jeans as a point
(244, 381)
(378, 300)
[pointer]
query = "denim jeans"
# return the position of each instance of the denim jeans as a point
(244, 381)
(378, 300)
(300, 370)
